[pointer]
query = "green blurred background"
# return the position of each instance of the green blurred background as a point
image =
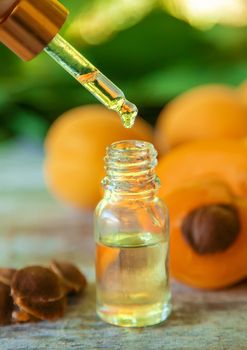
(152, 49)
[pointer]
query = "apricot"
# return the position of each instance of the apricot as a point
(75, 148)
(223, 263)
(225, 159)
(204, 184)
(205, 112)
(242, 91)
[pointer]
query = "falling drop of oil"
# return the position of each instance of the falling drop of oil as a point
(128, 113)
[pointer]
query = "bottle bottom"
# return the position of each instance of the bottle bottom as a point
(135, 315)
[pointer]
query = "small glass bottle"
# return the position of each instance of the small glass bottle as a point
(132, 239)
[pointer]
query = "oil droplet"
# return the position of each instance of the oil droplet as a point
(128, 112)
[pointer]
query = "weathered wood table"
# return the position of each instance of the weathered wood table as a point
(35, 228)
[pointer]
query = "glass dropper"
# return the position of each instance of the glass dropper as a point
(27, 27)
(92, 79)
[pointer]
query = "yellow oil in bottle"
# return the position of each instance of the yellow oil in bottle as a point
(132, 279)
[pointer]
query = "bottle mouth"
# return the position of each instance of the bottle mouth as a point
(129, 166)
(130, 156)
(132, 146)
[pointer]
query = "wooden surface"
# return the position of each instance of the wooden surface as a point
(34, 228)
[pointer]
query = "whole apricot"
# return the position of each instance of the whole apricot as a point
(242, 91)
(75, 147)
(205, 112)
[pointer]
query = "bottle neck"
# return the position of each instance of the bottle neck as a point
(130, 170)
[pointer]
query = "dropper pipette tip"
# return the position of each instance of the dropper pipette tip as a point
(128, 113)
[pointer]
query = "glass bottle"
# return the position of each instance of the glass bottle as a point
(132, 239)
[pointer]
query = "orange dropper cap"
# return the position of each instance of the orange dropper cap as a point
(6, 6)
(28, 26)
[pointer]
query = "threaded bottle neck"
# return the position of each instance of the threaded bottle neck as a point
(130, 168)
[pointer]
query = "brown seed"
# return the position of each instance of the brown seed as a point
(20, 316)
(6, 275)
(51, 310)
(6, 304)
(212, 228)
(36, 283)
(71, 277)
